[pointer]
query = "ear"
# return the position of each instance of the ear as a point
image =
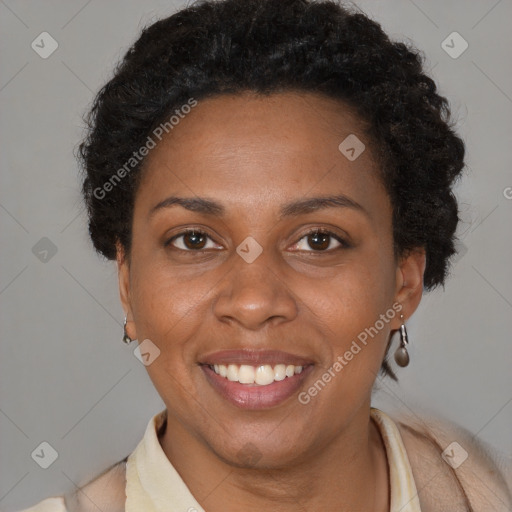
(409, 283)
(123, 274)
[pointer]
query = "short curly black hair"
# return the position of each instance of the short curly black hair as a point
(215, 47)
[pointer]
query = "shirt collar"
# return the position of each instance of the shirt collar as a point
(154, 485)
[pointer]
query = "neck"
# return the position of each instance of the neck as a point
(345, 474)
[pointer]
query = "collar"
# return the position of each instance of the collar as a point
(154, 485)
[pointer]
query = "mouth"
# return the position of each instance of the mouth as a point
(255, 379)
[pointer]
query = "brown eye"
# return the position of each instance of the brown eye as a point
(320, 241)
(194, 240)
(190, 240)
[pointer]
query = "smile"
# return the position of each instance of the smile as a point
(261, 375)
(255, 379)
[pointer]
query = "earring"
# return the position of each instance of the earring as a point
(126, 338)
(401, 354)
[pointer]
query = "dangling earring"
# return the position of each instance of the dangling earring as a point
(401, 354)
(126, 338)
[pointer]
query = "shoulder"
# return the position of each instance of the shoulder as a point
(55, 504)
(106, 492)
(453, 468)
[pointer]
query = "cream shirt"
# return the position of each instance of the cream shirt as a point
(154, 485)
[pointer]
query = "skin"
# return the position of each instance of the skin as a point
(254, 154)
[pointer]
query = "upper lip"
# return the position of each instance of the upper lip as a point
(254, 357)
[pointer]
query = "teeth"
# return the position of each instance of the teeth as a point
(279, 371)
(232, 372)
(246, 374)
(264, 375)
(261, 375)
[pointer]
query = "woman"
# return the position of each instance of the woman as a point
(274, 180)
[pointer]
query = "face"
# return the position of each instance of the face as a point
(271, 286)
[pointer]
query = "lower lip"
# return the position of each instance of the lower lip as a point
(248, 396)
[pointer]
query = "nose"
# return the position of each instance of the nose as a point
(254, 294)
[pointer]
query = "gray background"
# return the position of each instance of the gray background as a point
(66, 377)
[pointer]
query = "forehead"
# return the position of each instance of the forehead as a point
(249, 150)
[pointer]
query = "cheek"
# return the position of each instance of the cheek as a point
(164, 302)
(357, 310)
(360, 290)
(170, 306)
(167, 310)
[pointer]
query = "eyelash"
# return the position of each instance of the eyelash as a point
(343, 243)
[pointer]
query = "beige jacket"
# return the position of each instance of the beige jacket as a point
(452, 471)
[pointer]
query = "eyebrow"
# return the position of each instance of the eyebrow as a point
(302, 206)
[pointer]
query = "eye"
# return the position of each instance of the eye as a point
(321, 241)
(192, 240)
